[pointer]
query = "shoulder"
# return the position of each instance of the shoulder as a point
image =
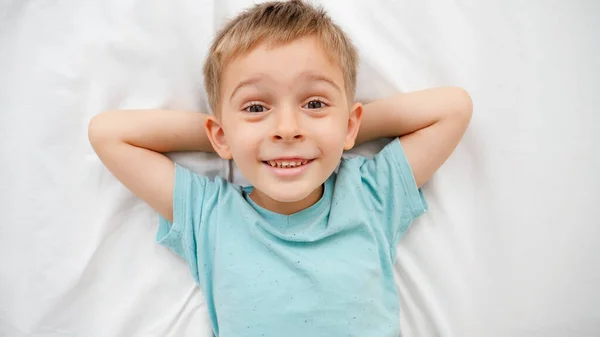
(385, 178)
(390, 158)
(203, 189)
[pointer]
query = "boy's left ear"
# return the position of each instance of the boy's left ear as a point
(353, 125)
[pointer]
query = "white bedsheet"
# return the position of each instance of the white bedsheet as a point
(509, 247)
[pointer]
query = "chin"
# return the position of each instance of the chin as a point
(288, 197)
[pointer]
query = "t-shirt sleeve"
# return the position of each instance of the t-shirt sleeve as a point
(391, 190)
(186, 233)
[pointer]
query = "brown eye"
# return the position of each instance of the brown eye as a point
(255, 108)
(314, 105)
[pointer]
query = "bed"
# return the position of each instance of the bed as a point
(508, 248)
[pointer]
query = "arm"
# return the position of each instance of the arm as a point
(430, 123)
(130, 144)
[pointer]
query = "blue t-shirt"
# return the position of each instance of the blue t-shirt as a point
(324, 271)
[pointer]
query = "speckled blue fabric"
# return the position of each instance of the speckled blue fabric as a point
(324, 271)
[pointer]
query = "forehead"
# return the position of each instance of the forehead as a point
(282, 64)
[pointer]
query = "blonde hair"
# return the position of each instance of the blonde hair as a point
(277, 23)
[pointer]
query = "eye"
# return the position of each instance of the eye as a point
(255, 108)
(315, 104)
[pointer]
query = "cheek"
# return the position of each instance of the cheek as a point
(333, 133)
(243, 140)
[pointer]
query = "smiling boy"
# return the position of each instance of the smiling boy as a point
(306, 250)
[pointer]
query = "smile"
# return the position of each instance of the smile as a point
(287, 163)
(288, 168)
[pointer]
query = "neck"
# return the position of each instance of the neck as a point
(286, 208)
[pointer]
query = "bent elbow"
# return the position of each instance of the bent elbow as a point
(98, 129)
(463, 105)
(466, 103)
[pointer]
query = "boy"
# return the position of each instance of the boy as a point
(305, 250)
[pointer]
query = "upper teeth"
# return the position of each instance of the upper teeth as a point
(287, 163)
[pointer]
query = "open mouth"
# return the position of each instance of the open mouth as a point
(287, 163)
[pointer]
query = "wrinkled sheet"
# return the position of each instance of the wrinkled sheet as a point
(509, 247)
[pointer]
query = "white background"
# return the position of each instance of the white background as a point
(509, 247)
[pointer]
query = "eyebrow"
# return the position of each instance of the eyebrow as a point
(310, 76)
(320, 78)
(253, 81)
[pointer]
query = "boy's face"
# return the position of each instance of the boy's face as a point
(285, 120)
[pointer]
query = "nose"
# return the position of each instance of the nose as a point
(287, 127)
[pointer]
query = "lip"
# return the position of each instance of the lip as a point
(289, 172)
(287, 158)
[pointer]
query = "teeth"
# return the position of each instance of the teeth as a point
(286, 163)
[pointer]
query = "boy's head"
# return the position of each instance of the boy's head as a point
(280, 79)
(277, 23)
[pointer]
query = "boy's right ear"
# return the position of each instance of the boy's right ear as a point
(215, 134)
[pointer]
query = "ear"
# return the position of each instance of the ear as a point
(353, 125)
(216, 135)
